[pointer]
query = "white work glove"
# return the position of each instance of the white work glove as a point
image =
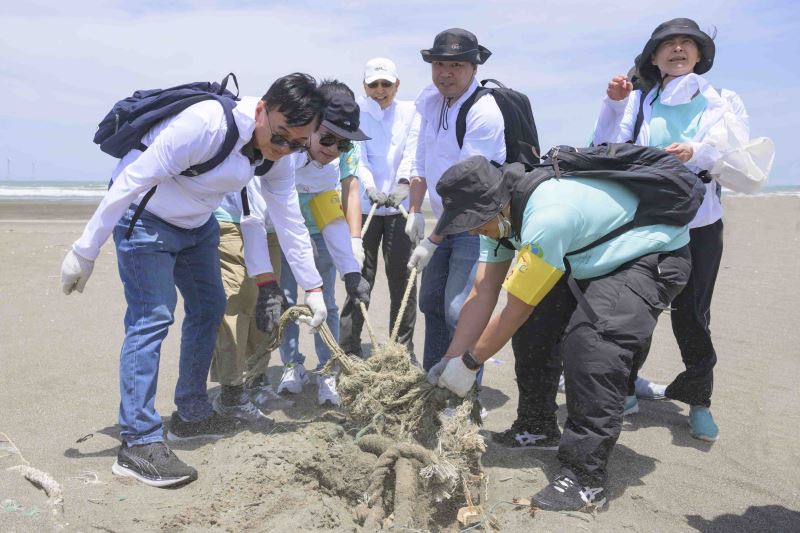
(75, 272)
(457, 377)
(358, 250)
(436, 371)
(422, 254)
(316, 302)
(415, 226)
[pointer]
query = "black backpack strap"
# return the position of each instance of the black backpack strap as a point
(245, 202)
(461, 119)
(138, 212)
(637, 127)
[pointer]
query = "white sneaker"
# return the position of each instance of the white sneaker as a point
(326, 389)
(647, 390)
(293, 378)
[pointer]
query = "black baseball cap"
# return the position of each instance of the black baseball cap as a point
(342, 117)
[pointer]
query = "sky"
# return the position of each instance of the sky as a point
(64, 64)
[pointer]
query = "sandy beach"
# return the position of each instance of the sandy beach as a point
(59, 397)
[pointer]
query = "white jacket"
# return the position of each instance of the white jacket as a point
(437, 146)
(618, 118)
(389, 154)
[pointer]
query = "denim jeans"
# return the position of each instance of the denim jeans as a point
(157, 258)
(446, 283)
(290, 346)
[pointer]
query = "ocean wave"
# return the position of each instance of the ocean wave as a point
(51, 192)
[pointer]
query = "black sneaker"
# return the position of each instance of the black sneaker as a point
(522, 436)
(215, 426)
(564, 494)
(153, 464)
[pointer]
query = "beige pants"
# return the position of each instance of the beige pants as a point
(237, 354)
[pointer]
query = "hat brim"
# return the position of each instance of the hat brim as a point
(357, 135)
(704, 42)
(476, 56)
(377, 77)
(461, 219)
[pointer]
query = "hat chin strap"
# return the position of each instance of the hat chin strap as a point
(503, 226)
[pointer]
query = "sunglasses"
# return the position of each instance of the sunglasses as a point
(383, 83)
(344, 145)
(279, 140)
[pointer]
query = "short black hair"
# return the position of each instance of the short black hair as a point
(330, 86)
(297, 97)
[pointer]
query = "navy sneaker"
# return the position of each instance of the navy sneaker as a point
(153, 464)
(522, 436)
(565, 494)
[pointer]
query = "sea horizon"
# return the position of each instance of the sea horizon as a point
(56, 190)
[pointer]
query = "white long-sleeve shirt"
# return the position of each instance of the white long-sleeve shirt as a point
(617, 120)
(389, 155)
(437, 146)
(311, 178)
(288, 223)
(176, 143)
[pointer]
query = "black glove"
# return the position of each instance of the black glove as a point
(269, 306)
(357, 287)
(375, 197)
(398, 194)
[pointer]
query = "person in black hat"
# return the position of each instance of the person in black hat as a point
(673, 111)
(449, 262)
(626, 281)
(335, 228)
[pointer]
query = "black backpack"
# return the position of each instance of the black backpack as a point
(668, 192)
(130, 119)
(522, 139)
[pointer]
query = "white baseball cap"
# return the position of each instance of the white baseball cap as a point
(380, 68)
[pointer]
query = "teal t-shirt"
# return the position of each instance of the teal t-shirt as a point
(675, 123)
(569, 213)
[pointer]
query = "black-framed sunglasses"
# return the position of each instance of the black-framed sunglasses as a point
(383, 83)
(344, 145)
(279, 140)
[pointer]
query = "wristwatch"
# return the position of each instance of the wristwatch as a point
(470, 362)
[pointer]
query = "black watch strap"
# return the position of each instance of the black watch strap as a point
(469, 361)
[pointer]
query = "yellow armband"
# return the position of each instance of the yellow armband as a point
(531, 278)
(325, 208)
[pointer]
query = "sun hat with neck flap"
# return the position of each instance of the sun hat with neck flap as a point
(672, 28)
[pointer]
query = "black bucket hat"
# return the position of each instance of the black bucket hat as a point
(671, 28)
(456, 44)
(472, 194)
(342, 117)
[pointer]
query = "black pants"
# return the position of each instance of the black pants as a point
(597, 357)
(396, 252)
(691, 319)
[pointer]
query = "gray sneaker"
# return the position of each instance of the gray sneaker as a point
(153, 464)
(215, 426)
(246, 412)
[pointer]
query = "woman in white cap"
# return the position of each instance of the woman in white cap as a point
(384, 170)
(675, 111)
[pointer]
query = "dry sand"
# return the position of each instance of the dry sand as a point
(58, 386)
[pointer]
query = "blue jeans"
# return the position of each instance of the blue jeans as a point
(446, 283)
(157, 258)
(290, 346)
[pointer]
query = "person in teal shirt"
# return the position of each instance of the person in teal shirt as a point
(625, 281)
